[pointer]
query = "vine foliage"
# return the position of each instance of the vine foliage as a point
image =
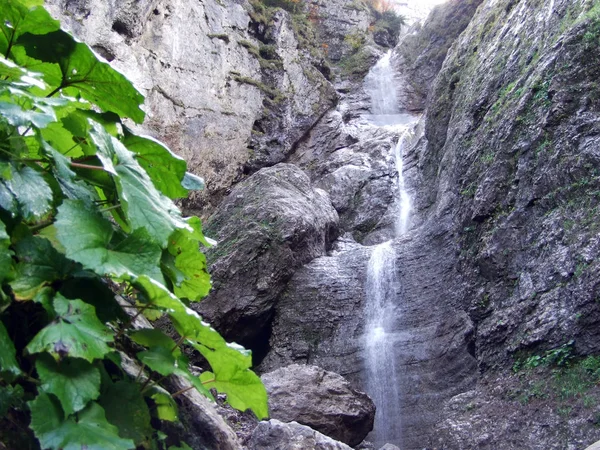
(87, 207)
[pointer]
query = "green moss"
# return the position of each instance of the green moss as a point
(274, 96)
(221, 36)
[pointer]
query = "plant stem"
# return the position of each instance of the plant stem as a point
(110, 208)
(86, 166)
(189, 388)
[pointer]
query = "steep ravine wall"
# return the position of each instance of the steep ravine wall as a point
(508, 167)
(221, 81)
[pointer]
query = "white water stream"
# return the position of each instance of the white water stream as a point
(382, 286)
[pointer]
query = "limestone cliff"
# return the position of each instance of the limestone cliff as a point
(221, 80)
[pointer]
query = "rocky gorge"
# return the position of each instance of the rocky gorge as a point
(496, 290)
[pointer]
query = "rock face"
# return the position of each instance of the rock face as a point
(507, 169)
(276, 435)
(511, 146)
(322, 400)
(338, 19)
(219, 85)
(267, 227)
(419, 56)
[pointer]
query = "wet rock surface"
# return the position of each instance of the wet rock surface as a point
(322, 400)
(276, 435)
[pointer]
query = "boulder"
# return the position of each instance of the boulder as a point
(270, 224)
(323, 400)
(276, 435)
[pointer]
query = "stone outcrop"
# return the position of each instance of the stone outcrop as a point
(219, 86)
(269, 225)
(338, 19)
(276, 435)
(420, 55)
(322, 400)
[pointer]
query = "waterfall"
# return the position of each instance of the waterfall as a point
(384, 100)
(383, 384)
(382, 303)
(379, 86)
(403, 205)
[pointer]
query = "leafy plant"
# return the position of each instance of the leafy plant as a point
(86, 205)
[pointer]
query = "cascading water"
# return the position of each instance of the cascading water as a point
(403, 205)
(383, 384)
(377, 84)
(382, 285)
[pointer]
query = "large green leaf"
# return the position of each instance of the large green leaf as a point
(125, 407)
(230, 364)
(164, 167)
(19, 17)
(89, 430)
(144, 205)
(151, 337)
(72, 187)
(9, 368)
(189, 261)
(166, 407)
(19, 76)
(73, 381)
(97, 246)
(159, 359)
(39, 265)
(82, 73)
(19, 108)
(191, 326)
(76, 332)
(32, 193)
(231, 376)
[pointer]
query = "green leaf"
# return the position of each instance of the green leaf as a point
(191, 326)
(157, 295)
(89, 431)
(97, 246)
(73, 381)
(159, 359)
(76, 332)
(72, 187)
(166, 407)
(230, 364)
(151, 337)
(19, 76)
(31, 191)
(192, 264)
(94, 291)
(19, 17)
(20, 108)
(166, 169)
(39, 265)
(82, 73)
(125, 408)
(9, 368)
(243, 387)
(144, 205)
